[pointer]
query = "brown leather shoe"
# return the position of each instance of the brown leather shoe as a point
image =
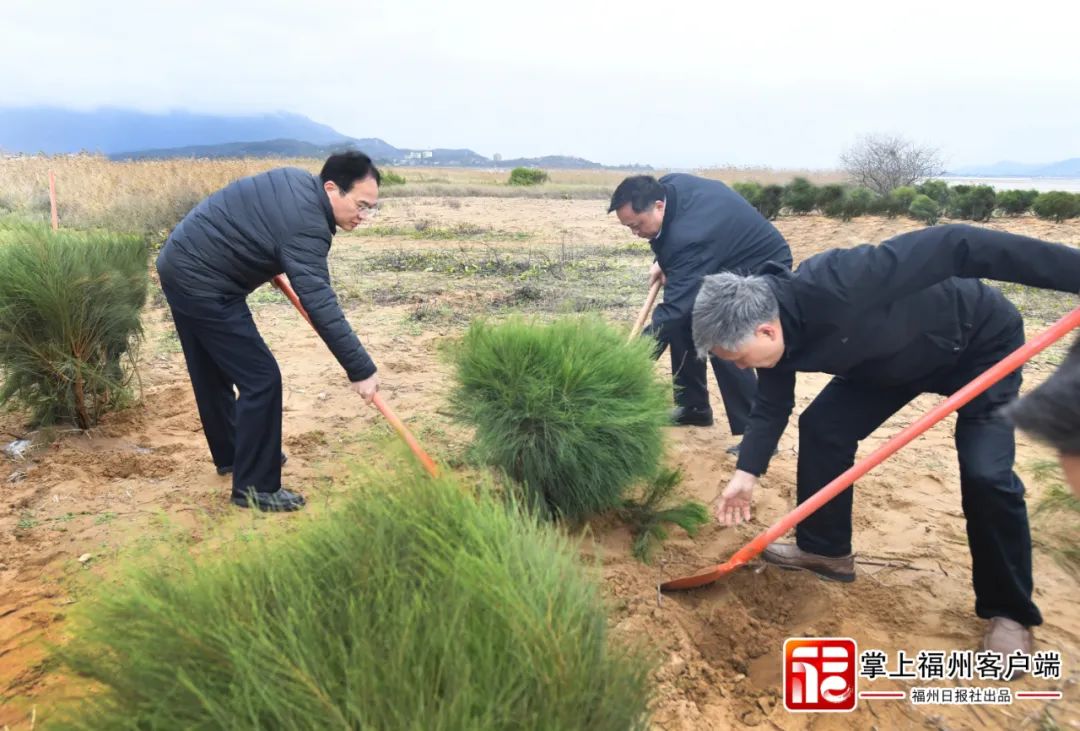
(791, 557)
(1006, 636)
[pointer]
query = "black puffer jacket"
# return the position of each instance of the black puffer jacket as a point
(708, 228)
(898, 315)
(254, 229)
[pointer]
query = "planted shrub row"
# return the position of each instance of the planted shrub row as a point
(925, 202)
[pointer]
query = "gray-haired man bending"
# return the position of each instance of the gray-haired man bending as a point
(889, 322)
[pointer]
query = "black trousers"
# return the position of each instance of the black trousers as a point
(992, 495)
(737, 386)
(223, 349)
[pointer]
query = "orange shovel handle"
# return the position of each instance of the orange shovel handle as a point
(406, 435)
(399, 426)
(982, 382)
(640, 322)
(283, 284)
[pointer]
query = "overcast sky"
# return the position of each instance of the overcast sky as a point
(686, 84)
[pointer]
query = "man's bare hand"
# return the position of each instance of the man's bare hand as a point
(656, 273)
(367, 388)
(732, 506)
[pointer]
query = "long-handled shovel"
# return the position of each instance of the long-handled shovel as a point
(752, 549)
(429, 464)
(645, 309)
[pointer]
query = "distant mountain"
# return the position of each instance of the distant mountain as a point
(563, 162)
(52, 130)
(378, 150)
(128, 134)
(375, 148)
(1063, 169)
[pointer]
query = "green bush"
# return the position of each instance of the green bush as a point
(770, 201)
(69, 318)
(1016, 202)
(974, 202)
(829, 194)
(527, 176)
(855, 202)
(900, 199)
(937, 190)
(414, 605)
(389, 177)
(925, 209)
(800, 195)
(569, 410)
(1057, 205)
(649, 515)
(750, 191)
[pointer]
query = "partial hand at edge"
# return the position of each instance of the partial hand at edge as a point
(367, 388)
(656, 273)
(732, 505)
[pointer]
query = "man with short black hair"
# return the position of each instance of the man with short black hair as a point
(696, 227)
(236, 240)
(889, 322)
(1051, 414)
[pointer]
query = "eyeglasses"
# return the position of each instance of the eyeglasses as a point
(364, 208)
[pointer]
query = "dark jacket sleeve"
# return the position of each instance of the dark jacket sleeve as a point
(769, 416)
(868, 276)
(684, 277)
(303, 256)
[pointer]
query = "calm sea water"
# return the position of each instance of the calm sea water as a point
(1041, 184)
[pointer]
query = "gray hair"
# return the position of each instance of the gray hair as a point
(728, 309)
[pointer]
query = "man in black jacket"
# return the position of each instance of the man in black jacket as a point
(280, 221)
(696, 227)
(890, 322)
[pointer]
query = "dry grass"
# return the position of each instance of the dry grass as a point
(145, 197)
(152, 196)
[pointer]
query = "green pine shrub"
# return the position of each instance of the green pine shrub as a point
(69, 320)
(569, 410)
(855, 202)
(750, 191)
(1057, 205)
(829, 194)
(1016, 202)
(973, 202)
(937, 190)
(770, 201)
(800, 195)
(925, 209)
(898, 202)
(389, 177)
(527, 176)
(648, 516)
(415, 606)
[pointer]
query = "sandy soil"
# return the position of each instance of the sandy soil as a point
(144, 477)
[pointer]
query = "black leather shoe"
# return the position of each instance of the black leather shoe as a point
(690, 417)
(227, 470)
(281, 501)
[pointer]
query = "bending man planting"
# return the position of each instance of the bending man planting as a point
(697, 227)
(238, 239)
(889, 322)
